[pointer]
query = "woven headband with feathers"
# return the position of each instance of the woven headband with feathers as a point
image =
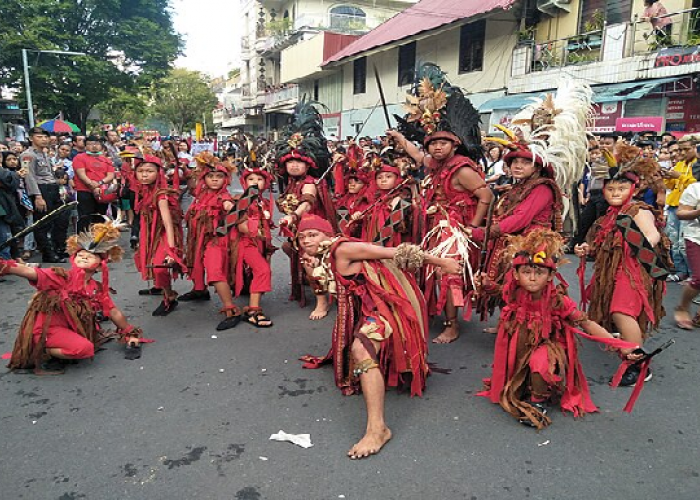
(554, 130)
(434, 105)
(100, 238)
(544, 243)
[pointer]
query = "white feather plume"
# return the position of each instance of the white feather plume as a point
(564, 144)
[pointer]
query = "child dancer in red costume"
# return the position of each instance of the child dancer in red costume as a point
(160, 238)
(61, 323)
(390, 201)
(207, 253)
(623, 293)
(254, 247)
(536, 353)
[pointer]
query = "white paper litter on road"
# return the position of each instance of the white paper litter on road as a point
(543, 444)
(303, 440)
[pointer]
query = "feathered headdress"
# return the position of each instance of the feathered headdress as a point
(100, 238)
(303, 139)
(438, 110)
(543, 248)
(207, 163)
(552, 132)
(635, 168)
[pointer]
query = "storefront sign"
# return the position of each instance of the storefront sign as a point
(640, 124)
(683, 114)
(677, 56)
(604, 117)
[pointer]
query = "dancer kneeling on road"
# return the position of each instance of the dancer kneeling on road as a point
(60, 323)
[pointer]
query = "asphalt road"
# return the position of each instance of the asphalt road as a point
(193, 417)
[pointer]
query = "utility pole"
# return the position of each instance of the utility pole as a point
(27, 86)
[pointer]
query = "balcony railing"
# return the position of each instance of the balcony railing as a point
(277, 96)
(624, 40)
(681, 29)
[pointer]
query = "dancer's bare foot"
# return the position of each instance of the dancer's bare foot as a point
(318, 313)
(491, 329)
(321, 309)
(449, 334)
(370, 444)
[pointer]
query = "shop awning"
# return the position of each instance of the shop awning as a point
(627, 91)
(515, 101)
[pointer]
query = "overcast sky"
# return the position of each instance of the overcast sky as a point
(211, 31)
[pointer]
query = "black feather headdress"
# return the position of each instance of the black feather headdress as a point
(303, 139)
(438, 110)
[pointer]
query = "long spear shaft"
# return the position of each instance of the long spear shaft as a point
(381, 200)
(381, 97)
(41, 222)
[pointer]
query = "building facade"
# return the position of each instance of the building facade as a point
(272, 26)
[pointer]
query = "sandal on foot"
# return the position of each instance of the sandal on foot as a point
(255, 315)
(133, 351)
(165, 308)
(50, 367)
(151, 291)
(195, 296)
(229, 321)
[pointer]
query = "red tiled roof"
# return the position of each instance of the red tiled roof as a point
(424, 16)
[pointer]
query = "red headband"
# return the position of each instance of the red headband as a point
(315, 222)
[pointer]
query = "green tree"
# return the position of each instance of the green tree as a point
(129, 44)
(123, 107)
(184, 98)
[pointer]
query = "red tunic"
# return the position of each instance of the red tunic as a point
(443, 201)
(253, 250)
(384, 304)
(539, 336)
(533, 204)
(619, 282)
(61, 315)
(202, 219)
(153, 242)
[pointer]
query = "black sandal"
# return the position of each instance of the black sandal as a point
(229, 321)
(254, 315)
(133, 351)
(151, 291)
(165, 308)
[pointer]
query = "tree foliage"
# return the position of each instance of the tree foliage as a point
(183, 98)
(123, 107)
(129, 44)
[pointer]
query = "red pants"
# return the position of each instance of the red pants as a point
(626, 299)
(161, 275)
(72, 344)
(249, 254)
(214, 266)
(539, 363)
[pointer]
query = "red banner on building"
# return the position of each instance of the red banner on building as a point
(640, 124)
(604, 117)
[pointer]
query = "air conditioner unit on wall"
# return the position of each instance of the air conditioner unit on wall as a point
(553, 7)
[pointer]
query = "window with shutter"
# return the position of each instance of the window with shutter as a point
(407, 63)
(471, 46)
(359, 74)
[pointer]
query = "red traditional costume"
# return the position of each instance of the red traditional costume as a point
(63, 313)
(538, 336)
(394, 217)
(305, 143)
(153, 248)
(382, 303)
(207, 253)
(439, 111)
(553, 137)
(254, 248)
(620, 282)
